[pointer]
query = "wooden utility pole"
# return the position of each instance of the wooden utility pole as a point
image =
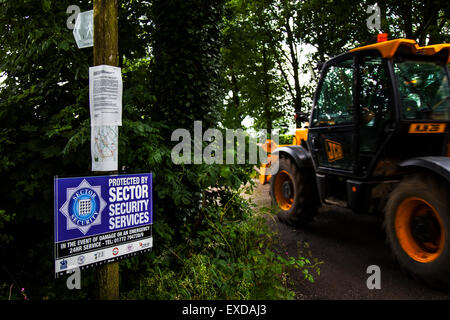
(106, 53)
(106, 44)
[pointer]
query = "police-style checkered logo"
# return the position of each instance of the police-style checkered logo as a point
(83, 207)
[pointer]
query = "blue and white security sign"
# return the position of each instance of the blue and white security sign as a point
(101, 219)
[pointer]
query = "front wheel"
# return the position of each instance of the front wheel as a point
(294, 192)
(418, 228)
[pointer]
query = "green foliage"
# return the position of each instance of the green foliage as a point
(5, 220)
(43, 103)
(45, 132)
(230, 257)
(44, 120)
(285, 139)
(338, 25)
(287, 30)
(250, 56)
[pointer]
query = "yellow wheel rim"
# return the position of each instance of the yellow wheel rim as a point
(419, 229)
(284, 190)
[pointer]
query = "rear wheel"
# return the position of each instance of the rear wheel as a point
(294, 192)
(418, 228)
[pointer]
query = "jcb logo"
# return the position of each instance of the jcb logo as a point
(427, 128)
(334, 150)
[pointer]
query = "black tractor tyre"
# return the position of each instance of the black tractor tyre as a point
(294, 193)
(417, 225)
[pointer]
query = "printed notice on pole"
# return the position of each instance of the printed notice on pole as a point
(105, 95)
(104, 148)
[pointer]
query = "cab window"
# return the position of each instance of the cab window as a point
(335, 102)
(374, 99)
(424, 90)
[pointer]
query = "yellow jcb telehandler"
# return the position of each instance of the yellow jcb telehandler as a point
(378, 141)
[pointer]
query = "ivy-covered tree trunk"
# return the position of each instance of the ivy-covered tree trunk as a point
(186, 79)
(186, 71)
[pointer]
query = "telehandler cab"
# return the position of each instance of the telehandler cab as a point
(378, 141)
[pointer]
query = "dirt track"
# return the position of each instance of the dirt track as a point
(347, 244)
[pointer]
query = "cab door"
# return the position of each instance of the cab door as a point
(332, 133)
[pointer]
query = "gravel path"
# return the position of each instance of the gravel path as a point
(347, 244)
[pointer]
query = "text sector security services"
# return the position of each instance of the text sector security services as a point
(128, 202)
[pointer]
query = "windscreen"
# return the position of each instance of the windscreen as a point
(424, 90)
